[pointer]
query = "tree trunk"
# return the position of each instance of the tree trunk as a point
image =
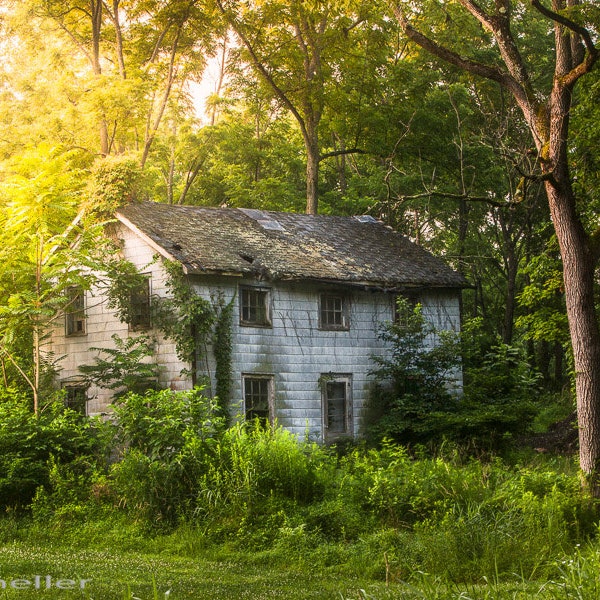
(312, 176)
(578, 272)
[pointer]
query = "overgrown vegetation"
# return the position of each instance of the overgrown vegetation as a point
(168, 466)
(415, 399)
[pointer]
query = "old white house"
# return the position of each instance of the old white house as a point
(308, 292)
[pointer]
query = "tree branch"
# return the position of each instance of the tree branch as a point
(447, 55)
(263, 70)
(561, 20)
(450, 196)
(589, 58)
(341, 152)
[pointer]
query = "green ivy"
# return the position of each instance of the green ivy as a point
(190, 321)
(184, 316)
(125, 281)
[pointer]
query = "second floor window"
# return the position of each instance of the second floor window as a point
(333, 312)
(139, 302)
(255, 306)
(75, 312)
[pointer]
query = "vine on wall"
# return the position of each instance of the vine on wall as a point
(193, 323)
(222, 349)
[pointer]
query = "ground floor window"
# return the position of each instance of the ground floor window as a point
(76, 398)
(337, 405)
(258, 397)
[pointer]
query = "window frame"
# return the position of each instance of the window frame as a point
(326, 380)
(344, 311)
(78, 405)
(75, 312)
(144, 323)
(270, 382)
(245, 306)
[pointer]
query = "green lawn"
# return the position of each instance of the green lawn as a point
(119, 574)
(109, 574)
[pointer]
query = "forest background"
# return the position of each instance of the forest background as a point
(318, 106)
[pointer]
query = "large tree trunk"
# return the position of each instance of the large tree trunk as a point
(548, 119)
(579, 270)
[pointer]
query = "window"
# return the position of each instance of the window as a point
(75, 312)
(76, 398)
(333, 312)
(139, 302)
(337, 405)
(255, 306)
(258, 397)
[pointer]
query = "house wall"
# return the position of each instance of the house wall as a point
(101, 324)
(297, 354)
(293, 350)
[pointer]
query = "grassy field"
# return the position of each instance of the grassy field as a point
(178, 566)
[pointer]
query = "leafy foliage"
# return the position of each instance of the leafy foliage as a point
(31, 444)
(498, 399)
(184, 316)
(124, 367)
(168, 439)
(413, 378)
(222, 347)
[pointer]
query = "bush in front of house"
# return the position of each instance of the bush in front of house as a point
(412, 401)
(32, 445)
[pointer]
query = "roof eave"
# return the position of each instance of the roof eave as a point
(152, 243)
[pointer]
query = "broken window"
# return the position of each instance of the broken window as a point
(139, 302)
(333, 312)
(75, 312)
(255, 306)
(337, 405)
(258, 398)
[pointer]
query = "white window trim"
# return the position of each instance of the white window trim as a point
(345, 378)
(270, 378)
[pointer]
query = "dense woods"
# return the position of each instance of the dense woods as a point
(471, 127)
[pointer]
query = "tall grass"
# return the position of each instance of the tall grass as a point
(190, 486)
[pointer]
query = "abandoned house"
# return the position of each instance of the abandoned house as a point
(308, 295)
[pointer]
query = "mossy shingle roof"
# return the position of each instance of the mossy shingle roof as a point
(277, 245)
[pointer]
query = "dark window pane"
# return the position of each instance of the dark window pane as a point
(254, 306)
(76, 398)
(333, 312)
(140, 307)
(75, 312)
(256, 397)
(336, 407)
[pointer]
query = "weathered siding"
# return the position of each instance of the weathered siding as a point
(297, 353)
(101, 324)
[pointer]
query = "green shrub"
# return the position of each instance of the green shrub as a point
(30, 445)
(77, 491)
(412, 380)
(253, 463)
(411, 403)
(170, 439)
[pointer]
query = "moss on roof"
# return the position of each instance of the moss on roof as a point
(278, 246)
